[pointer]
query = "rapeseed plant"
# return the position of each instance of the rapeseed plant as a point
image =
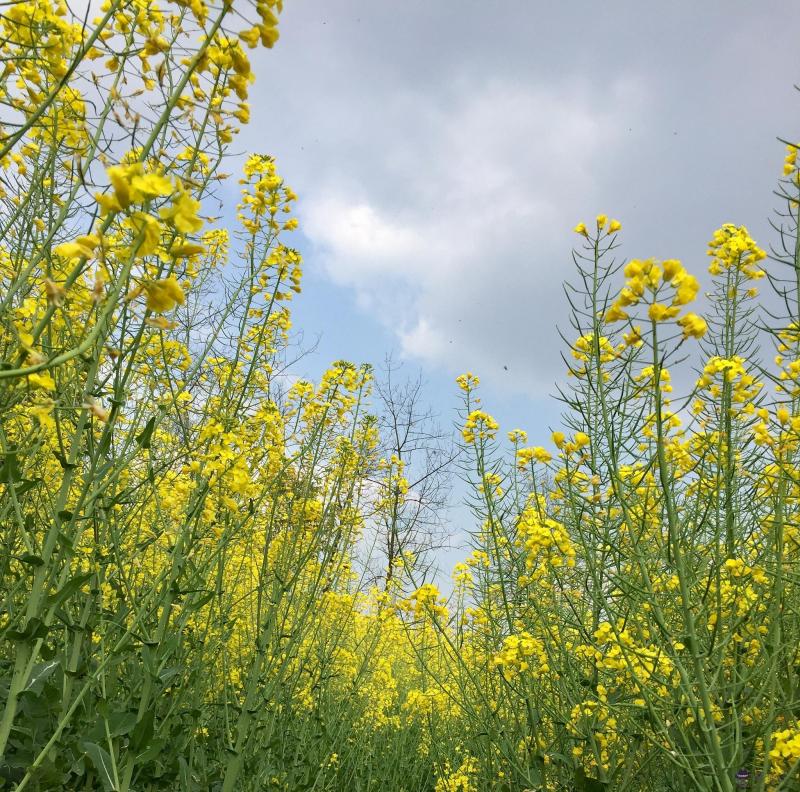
(183, 606)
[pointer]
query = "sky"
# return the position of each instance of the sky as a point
(444, 150)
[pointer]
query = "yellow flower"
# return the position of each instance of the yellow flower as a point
(672, 267)
(687, 288)
(41, 380)
(159, 322)
(614, 226)
(634, 268)
(694, 326)
(525, 455)
(163, 295)
(42, 412)
(653, 275)
(634, 338)
(628, 297)
(581, 229)
(427, 600)
(185, 250)
(790, 161)
(659, 312)
(541, 454)
(150, 185)
(131, 185)
(269, 35)
(615, 314)
(183, 214)
(108, 203)
(118, 175)
(147, 228)
(581, 439)
(467, 381)
(250, 36)
(732, 246)
(479, 424)
(82, 247)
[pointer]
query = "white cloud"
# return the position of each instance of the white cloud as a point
(423, 342)
(448, 228)
(361, 241)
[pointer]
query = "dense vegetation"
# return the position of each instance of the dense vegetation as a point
(183, 601)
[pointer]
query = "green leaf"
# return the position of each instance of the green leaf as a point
(104, 444)
(195, 605)
(144, 437)
(143, 732)
(183, 769)
(40, 673)
(25, 485)
(33, 630)
(120, 723)
(9, 470)
(584, 783)
(153, 751)
(535, 771)
(167, 673)
(65, 542)
(62, 460)
(31, 560)
(68, 589)
(102, 764)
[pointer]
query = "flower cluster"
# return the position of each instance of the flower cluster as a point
(603, 224)
(545, 541)
(732, 247)
(426, 601)
(646, 279)
(785, 752)
(460, 780)
(522, 653)
(479, 424)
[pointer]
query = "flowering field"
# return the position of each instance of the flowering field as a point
(183, 605)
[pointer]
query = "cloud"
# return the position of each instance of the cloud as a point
(360, 239)
(442, 157)
(458, 257)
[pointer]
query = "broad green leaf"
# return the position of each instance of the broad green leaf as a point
(101, 760)
(40, 673)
